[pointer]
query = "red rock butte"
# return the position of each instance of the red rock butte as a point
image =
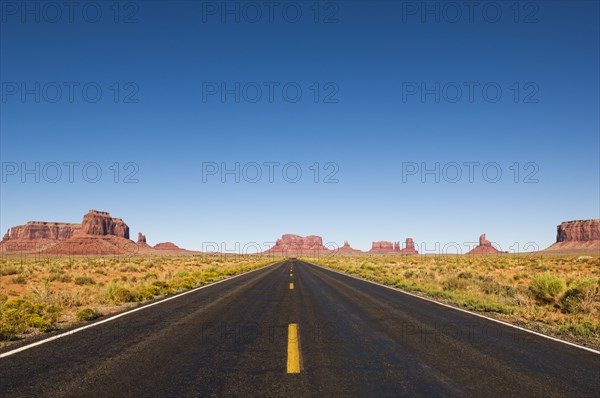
(385, 247)
(295, 245)
(578, 236)
(484, 248)
(98, 234)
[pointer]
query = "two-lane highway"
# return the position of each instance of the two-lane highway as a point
(294, 329)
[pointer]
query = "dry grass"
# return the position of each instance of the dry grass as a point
(43, 294)
(552, 294)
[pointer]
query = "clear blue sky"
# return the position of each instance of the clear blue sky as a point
(371, 61)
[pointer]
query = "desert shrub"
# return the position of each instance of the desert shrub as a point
(584, 328)
(20, 280)
(465, 275)
(483, 305)
(580, 297)
(149, 292)
(117, 294)
(150, 276)
(60, 278)
(368, 266)
(182, 274)
(19, 314)
(9, 270)
(88, 314)
(187, 282)
(546, 287)
(129, 268)
(455, 283)
(84, 280)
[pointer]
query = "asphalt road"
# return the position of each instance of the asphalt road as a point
(355, 339)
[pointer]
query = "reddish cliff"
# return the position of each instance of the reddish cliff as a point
(385, 247)
(409, 247)
(577, 236)
(382, 247)
(98, 234)
(295, 245)
(42, 230)
(37, 235)
(101, 223)
(578, 231)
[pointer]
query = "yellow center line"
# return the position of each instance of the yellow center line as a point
(291, 286)
(293, 354)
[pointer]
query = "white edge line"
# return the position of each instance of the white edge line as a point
(112, 318)
(459, 309)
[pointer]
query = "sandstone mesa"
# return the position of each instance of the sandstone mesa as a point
(101, 234)
(577, 236)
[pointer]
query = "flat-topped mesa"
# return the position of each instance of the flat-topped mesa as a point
(99, 212)
(35, 230)
(6, 235)
(578, 231)
(101, 223)
(98, 234)
(382, 247)
(385, 247)
(290, 244)
(309, 242)
(578, 236)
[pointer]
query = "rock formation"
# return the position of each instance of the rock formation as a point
(99, 234)
(347, 249)
(42, 230)
(409, 247)
(382, 247)
(101, 223)
(37, 235)
(166, 246)
(141, 242)
(169, 247)
(295, 245)
(483, 241)
(577, 236)
(485, 248)
(578, 231)
(385, 247)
